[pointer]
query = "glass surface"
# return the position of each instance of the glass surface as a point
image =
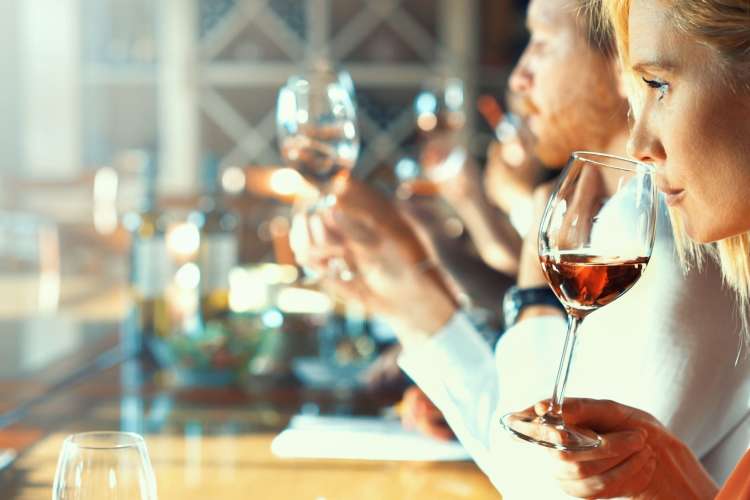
(595, 240)
(104, 465)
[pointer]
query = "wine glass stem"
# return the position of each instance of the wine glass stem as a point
(554, 413)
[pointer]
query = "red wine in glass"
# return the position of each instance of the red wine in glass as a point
(595, 241)
(585, 282)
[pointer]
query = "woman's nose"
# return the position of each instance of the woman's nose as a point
(645, 144)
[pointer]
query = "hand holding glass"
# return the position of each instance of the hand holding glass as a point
(317, 134)
(595, 240)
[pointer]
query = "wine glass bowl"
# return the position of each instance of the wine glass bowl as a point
(595, 241)
(95, 465)
(317, 128)
(440, 120)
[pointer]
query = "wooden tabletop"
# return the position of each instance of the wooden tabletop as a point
(229, 467)
(215, 443)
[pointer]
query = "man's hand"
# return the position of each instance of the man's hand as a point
(419, 413)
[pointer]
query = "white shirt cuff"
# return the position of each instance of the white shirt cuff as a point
(450, 357)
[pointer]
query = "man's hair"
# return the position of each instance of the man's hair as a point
(599, 34)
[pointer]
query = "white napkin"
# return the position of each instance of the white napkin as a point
(360, 438)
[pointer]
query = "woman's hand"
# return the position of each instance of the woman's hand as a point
(638, 458)
(391, 272)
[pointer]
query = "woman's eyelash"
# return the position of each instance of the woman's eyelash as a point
(662, 87)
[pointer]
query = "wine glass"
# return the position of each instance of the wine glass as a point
(595, 240)
(317, 127)
(318, 136)
(95, 465)
(440, 119)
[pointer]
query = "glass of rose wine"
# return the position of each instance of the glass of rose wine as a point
(595, 240)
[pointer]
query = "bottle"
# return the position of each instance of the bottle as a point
(219, 247)
(149, 263)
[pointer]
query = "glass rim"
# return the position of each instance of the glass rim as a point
(631, 164)
(118, 440)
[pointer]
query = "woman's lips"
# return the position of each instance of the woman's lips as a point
(673, 196)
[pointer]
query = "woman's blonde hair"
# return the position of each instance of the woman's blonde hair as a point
(723, 25)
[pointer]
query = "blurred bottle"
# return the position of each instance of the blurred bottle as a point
(219, 248)
(149, 263)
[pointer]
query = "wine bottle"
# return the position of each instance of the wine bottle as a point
(218, 252)
(149, 264)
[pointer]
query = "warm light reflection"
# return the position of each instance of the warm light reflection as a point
(247, 292)
(427, 122)
(302, 301)
(49, 267)
(286, 182)
(250, 288)
(105, 200)
(188, 276)
(514, 154)
(183, 239)
(274, 274)
(233, 180)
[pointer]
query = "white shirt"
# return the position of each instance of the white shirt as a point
(668, 346)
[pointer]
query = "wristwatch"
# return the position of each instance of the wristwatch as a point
(516, 299)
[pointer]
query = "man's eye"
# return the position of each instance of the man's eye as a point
(659, 85)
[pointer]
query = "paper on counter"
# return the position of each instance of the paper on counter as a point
(360, 438)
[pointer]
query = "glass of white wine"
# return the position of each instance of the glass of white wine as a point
(318, 136)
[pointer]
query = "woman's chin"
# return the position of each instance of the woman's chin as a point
(706, 233)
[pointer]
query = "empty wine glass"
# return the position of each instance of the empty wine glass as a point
(595, 240)
(111, 465)
(440, 118)
(318, 136)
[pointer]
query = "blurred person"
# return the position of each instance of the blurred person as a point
(666, 362)
(419, 413)
(688, 65)
(495, 238)
(512, 172)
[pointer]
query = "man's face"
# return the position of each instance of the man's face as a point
(570, 90)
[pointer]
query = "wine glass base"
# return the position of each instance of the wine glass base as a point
(551, 434)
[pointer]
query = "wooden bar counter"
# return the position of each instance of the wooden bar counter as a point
(215, 443)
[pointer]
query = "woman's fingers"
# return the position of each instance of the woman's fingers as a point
(627, 478)
(616, 445)
(600, 415)
(614, 448)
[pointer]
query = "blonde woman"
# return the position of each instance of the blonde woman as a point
(688, 63)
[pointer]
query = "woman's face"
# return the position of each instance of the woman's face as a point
(691, 125)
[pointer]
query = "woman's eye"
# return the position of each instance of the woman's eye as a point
(660, 86)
